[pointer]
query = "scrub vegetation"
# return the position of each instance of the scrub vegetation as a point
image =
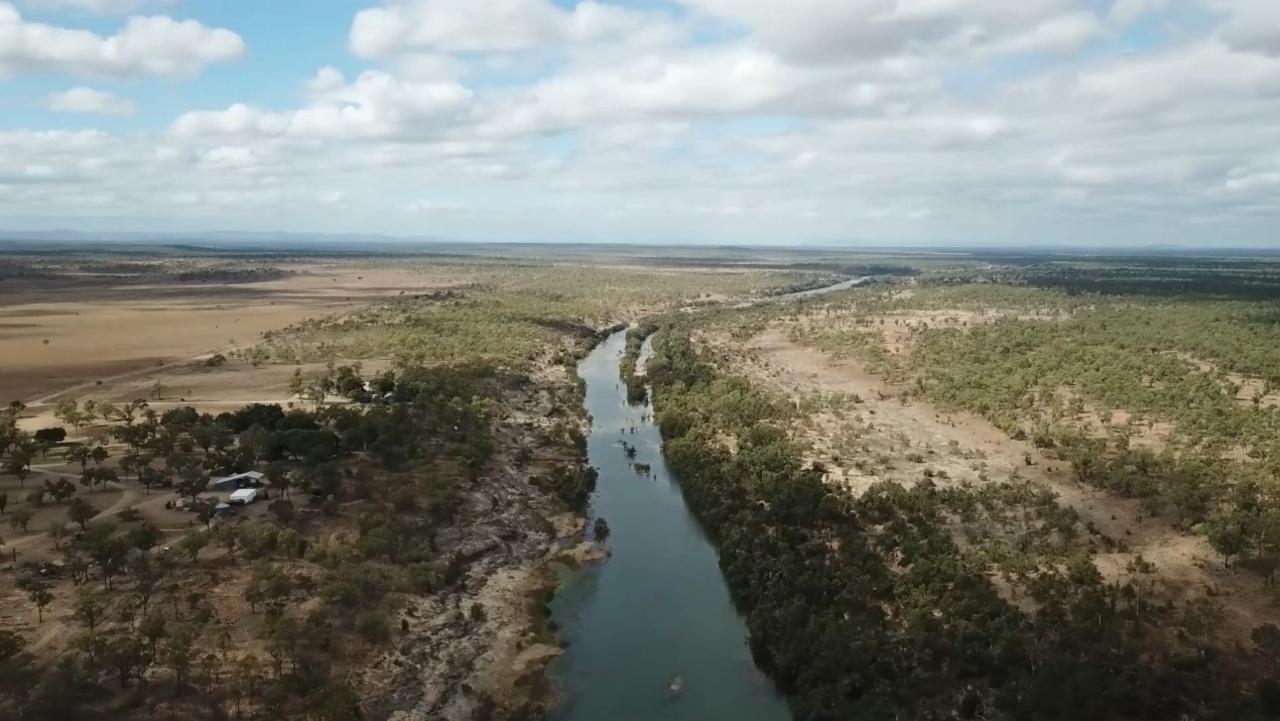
(872, 607)
(417, 429)
(1105, 550)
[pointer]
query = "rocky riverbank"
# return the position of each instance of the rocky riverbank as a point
(480, 648)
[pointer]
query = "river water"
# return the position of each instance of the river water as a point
(658, 606)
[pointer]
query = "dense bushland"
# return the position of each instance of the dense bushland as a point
(868, 608)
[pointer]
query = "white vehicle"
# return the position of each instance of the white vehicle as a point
(243, 497)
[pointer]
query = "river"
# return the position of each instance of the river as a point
(658, 606)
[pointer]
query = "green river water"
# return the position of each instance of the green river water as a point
(658, 606)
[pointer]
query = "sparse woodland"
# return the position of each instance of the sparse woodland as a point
(374, 541)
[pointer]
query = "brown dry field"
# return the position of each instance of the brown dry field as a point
(104, 332)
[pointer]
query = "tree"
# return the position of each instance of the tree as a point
(106, 411)
(152, 627)
(269, 586)
(81, 511)
(108, 550)
(296, 384)
(601, 530)
(59, 490)
(177, 654)
(68, 411)
(80, 454)
(278, 478)
(51, 436)
(41, 597)
(1228, 536)
(17, 670)
(283, 510)
(228, 537)
(205, 509)
(130, 463)
(19, 464)
(129, 411)
(57, 532)
(192, 543)
(1267, 639)
(149, 477)
(89, 606)
(20, 519)
(127, 655)
(4, 502)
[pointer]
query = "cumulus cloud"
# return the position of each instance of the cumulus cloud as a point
(767, 120)
(152, 45)
(454, 26)
(1252, 25)
(90, 101)
(376, 105)
(100, 7)
(836, 30)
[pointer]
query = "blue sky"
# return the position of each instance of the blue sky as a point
(878, 122)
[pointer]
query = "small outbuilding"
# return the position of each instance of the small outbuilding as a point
(248, 479)
(243, 497)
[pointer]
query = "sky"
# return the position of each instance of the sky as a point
(782, 122)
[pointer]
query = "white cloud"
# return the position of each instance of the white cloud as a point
(155, 45)
(1252, 25)
(1141, 86)
(835, 30)
(90, 101)
(376, 105)
(454, 26)
(99, 7)
(725, 120)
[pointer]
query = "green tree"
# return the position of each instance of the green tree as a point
(127, 656)
(80, 454)
(153, 628)
(81, 512)
(178, 654)
(68, 411)
(205, 509)
(17, 671)
(89, 606)
(192, 543)
(59, 490)
(1228, 536)
(41, 596)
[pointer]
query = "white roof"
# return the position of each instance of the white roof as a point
(250, 475)
(244, 494)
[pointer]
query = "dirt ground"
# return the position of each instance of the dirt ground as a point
(56, 335)
(964, 445)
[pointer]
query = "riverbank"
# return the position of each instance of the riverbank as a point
(659, 606)
(481, 647)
